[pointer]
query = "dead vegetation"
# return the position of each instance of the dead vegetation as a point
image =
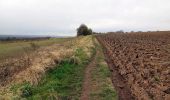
(33, 65)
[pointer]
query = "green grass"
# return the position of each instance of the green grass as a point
(10, 49)
(63, 82)
(101, 78)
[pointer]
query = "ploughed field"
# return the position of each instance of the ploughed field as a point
(142, 63)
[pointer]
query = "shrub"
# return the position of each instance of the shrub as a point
(84, 30)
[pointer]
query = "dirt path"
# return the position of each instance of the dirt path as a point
(87, 79)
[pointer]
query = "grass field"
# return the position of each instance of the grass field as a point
(10, 49)
(65, 80)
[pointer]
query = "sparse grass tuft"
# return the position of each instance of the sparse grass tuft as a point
(34, 46)
(26, 90)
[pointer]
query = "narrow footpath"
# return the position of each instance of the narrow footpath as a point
(88, 78)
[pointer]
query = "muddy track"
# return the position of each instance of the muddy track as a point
(120, 85)
(88, 78)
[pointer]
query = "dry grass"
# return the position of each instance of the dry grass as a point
(45, 58)
(17, 48)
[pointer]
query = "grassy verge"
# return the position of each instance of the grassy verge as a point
(63, 82)
(102, 87)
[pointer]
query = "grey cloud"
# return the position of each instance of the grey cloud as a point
(61, 17)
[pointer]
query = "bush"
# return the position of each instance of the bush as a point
(84, 30)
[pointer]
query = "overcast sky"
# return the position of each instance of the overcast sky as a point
(62, 17)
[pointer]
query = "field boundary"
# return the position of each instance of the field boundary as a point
(124, 92)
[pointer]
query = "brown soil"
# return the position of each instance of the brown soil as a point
(87, 79)
(140, 64)
(117, 80)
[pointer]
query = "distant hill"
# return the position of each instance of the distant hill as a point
(4, 37)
